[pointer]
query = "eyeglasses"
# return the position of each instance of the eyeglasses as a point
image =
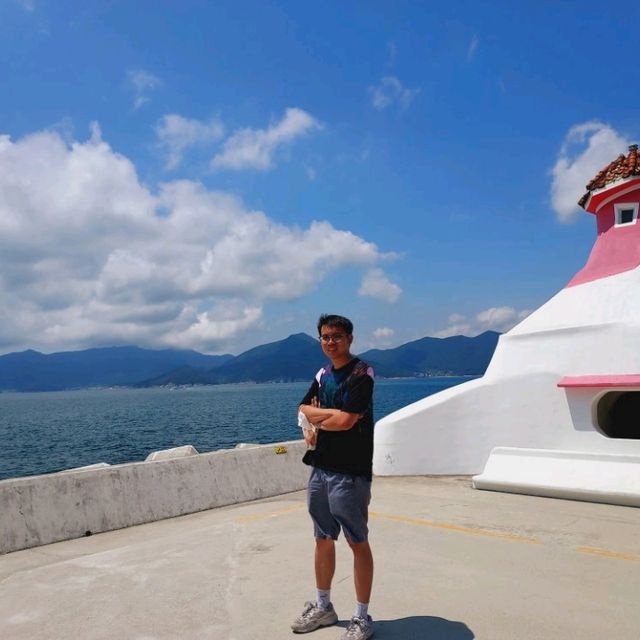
(336, 337)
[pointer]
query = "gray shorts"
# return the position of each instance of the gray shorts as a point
(339, 500)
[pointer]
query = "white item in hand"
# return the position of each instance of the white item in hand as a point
(308, 429)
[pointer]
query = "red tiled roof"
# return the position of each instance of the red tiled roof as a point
(622, 167)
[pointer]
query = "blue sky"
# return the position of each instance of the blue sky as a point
(215, 175)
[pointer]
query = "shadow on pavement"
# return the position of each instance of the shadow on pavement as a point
(421, 628)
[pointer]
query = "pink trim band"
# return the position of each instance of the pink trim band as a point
(620, 380)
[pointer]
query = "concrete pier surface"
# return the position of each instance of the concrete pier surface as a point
(452, 563)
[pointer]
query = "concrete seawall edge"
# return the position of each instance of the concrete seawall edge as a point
(39, 510)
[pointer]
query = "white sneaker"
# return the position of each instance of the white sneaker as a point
(313, 617)
(359, 629)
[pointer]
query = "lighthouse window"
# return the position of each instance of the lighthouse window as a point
(626, 214)
(618, 414)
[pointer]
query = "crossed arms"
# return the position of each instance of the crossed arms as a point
(329, 419)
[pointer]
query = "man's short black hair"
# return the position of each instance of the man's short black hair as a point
(330, 320)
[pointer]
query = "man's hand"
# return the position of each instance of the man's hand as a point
(329, 419)
(310, 430)
(310, 437)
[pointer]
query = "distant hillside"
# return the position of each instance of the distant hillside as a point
(457, 355)
(111, 366)
(180, 376)
(297, 357)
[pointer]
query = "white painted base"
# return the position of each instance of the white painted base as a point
(573, 475)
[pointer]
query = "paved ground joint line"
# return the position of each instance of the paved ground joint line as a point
(449, 526)
(270, 514)
(608, 554)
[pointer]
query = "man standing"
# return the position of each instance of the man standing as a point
(339, 404)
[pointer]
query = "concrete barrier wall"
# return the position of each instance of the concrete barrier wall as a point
(39, 510)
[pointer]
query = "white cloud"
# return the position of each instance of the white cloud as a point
(375, 284)
(142, 82)
(458, 329)
(380, 339)
(214, 326)
(90, 256)
(391, 91)
(473, 47)
(499, 319)
(586, 149)
(176, 134)
(255, 148)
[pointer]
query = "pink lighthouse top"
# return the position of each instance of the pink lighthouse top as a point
(613, 196)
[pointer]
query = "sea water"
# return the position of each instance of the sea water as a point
(46, 432)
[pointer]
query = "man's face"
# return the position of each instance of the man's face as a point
(335, 342)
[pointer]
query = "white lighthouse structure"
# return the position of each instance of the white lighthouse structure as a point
(557, 412)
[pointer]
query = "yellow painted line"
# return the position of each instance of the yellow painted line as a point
(448, 526)
(608, 554)
(270, 514)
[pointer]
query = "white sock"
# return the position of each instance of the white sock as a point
(362, 610)
(323, 598)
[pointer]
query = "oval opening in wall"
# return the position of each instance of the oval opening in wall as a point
(618, 414)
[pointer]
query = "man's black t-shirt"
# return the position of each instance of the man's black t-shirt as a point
(350, 389)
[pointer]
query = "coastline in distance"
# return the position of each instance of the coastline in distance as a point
(295, 358)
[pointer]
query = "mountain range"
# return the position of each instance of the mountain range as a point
(295, 358)
(110, 366)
